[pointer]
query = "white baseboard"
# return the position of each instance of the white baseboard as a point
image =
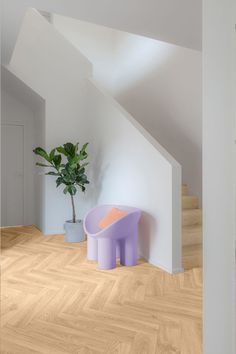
(163, 267)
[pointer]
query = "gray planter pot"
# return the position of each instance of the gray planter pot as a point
(74, 231)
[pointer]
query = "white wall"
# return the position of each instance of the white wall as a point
(129, 167)
(219, 133)
(157, 83)
(97, 43)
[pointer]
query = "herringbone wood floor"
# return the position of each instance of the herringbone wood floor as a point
(55, 301)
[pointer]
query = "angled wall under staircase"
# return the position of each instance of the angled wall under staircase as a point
(127, 164)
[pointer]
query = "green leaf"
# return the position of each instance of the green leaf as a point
(76, 147)
(70, 149)
(41, 152)
(73, 162)
(82, 187)
(83, 156)
(59, 181)
(83, 178)
(84, 148)
(72, 190)
(61, 150)
(65, 190)
(66, 176)
(64, 171)
(51, 173)
(52, 154)
(57, 160)
(81, 171)
(42, 164)
(84, 165)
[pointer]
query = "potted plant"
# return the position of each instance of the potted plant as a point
(68, 166)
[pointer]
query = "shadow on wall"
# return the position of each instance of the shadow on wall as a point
(135, 57)
(166, 100)
(96, 176)
(146, 227)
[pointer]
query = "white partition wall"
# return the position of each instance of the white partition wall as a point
(126, 164)
(219, 178)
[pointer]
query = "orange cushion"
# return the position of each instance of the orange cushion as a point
(113, 215)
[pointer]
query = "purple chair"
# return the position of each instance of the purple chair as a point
(117, 240)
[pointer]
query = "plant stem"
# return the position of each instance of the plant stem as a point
(73, 209)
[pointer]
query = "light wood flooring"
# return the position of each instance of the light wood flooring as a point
(55, 301)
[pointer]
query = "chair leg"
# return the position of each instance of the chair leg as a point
(106, 253)
(117, 249)
(129, 244)
(92, 248)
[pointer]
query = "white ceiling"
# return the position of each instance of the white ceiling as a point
(174, 21)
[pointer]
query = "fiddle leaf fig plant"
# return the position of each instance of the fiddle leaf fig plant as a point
(67, 165)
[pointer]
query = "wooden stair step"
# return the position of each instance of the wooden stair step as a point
(191, 217)
(189, 202)
(191, 230)
(184, 189)
(192, 235)
(192, 256)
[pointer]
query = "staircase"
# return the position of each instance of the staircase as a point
(191, 230)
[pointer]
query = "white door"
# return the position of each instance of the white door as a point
(12, 183)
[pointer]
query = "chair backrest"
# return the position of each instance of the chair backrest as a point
(92, 219)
